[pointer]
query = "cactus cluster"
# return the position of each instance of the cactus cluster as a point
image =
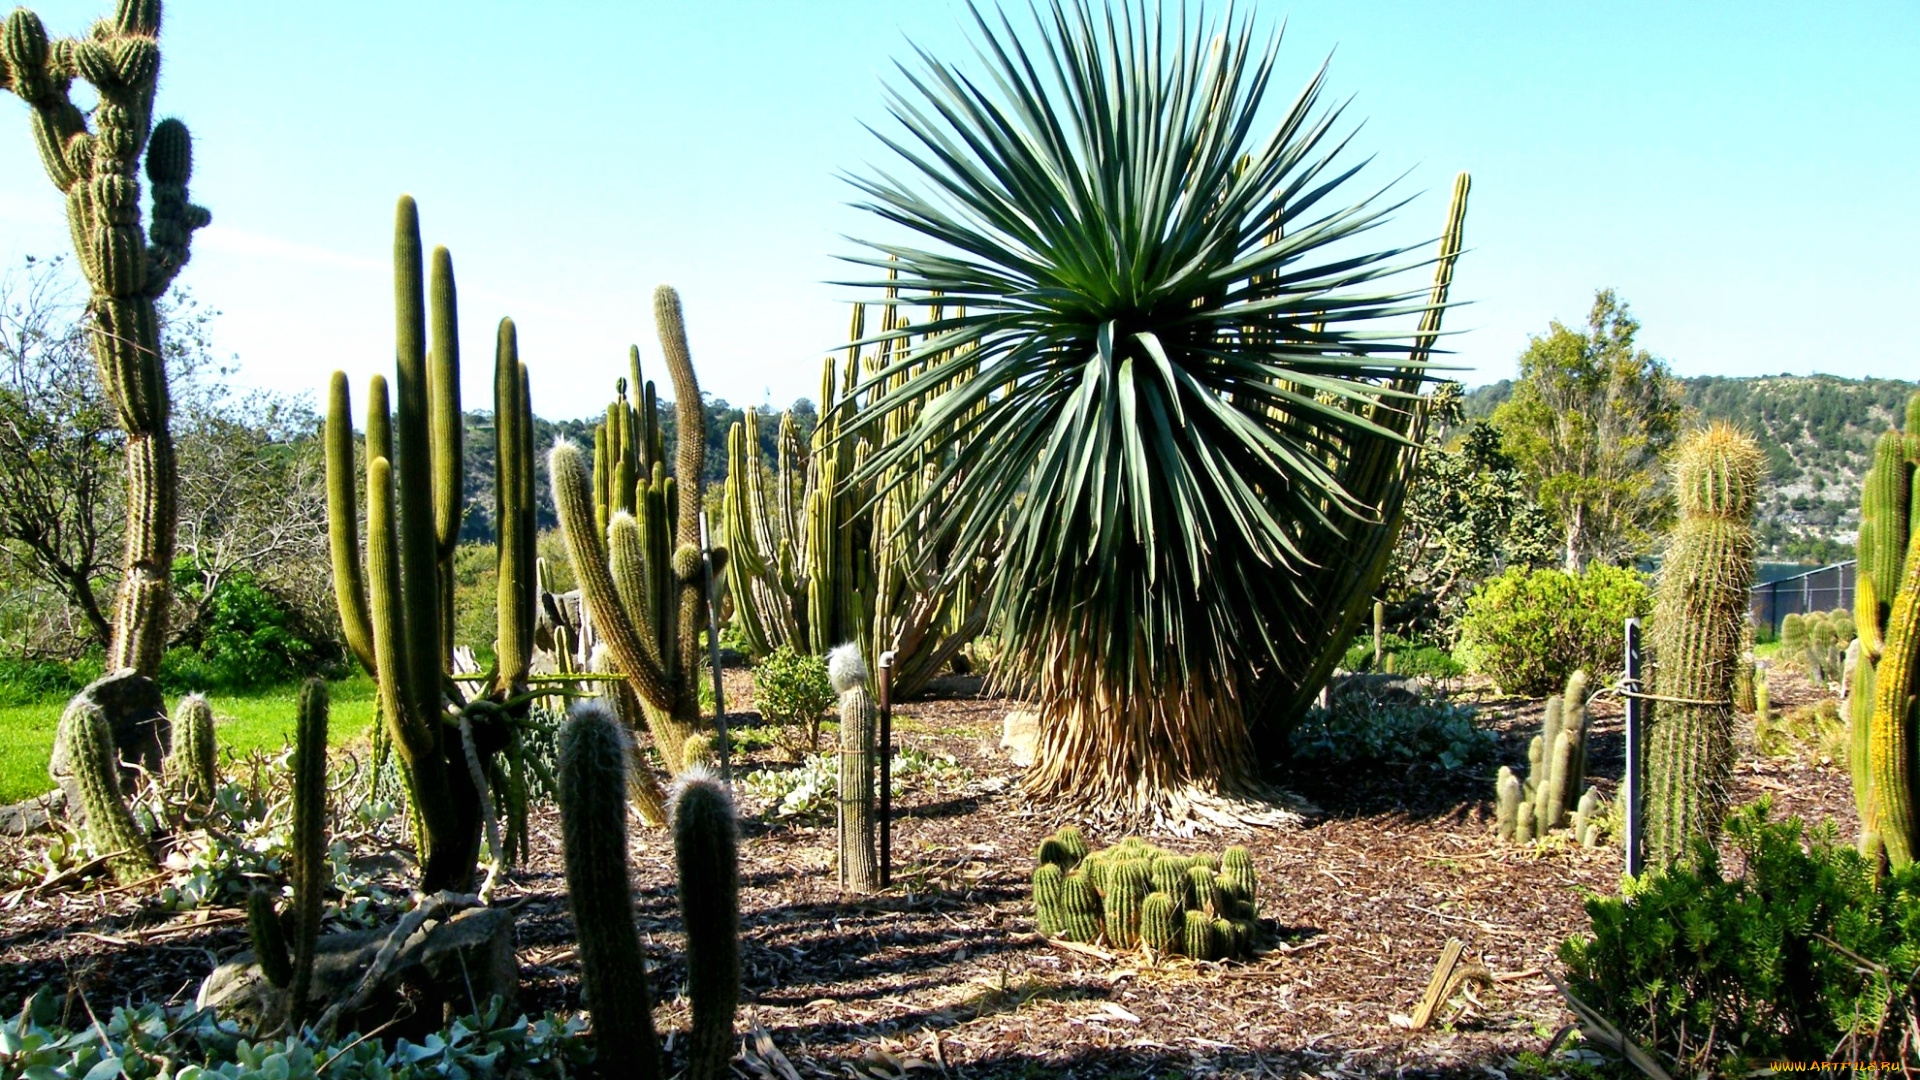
(1817, 643)
(633, 536)
(1135, 894)
(396, 610)
(1526, 810)
(595, 755)
(289, 968)
(821, 558)
(1699, 619)
(94, 158)
(1886, 613)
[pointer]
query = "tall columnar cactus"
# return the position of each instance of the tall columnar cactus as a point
(94, 159)
(96, 769)
(848, 672)
(396, 609)
(1527, 810)
(641, 575)
(594, 753)
(827, 558)
(1889, 521)
(1700, 603)
(310, 870)
(191, 765)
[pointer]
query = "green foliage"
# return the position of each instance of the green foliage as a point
(27, 681)
(1429, 734)
(791, 687)
(1402, 656)
(1588, 423)
(247, 638)
(1528, 630)
(1724, 974)
(184, 1043)
(811, 788)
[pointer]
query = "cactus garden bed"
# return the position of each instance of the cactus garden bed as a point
(944, 975)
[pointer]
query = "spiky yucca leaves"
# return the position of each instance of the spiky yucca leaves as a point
(191, 769)
(94, 159)
(1183, 399)
(1700, 604)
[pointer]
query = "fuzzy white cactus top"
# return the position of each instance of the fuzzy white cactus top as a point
(846, 668)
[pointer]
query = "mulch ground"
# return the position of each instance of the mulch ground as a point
(944, 975)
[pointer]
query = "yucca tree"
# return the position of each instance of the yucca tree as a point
(1190, 417)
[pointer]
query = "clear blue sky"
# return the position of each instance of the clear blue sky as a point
(1747, 175)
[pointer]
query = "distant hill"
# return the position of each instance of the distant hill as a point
(1818, 433)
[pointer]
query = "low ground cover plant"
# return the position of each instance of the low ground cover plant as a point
(1427, 732)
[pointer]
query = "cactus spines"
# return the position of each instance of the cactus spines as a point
(1583, 815)
(1891, 744)
(848, 673)
(191, 767)
(1079, 907)
(1161, 923)
(1507, 803)
(706, 853)
(1237, 874)
(310, 877)
(1126, 889)
(268, 938)
(1700, 605)
(1048, 880)
(1170, 877)
(1073, 840)
(1206, 891)
(1523, 831)
(593, 832)
(96, 770)
(94, 159)
(1557, 783)
(1052, 851)
(1199, 939)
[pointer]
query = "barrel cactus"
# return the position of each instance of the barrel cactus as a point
(1134, 894)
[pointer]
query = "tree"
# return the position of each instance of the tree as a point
(1590, 421)
(1186, 422)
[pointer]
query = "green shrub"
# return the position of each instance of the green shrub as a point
(1402, 656)
(30, 682)
(1426, 733)
(1723, 975)
(244, 639)
(1528, 630)
(792, 688)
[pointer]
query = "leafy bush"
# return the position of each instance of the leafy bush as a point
(1728, 974)
(1528, 630)
(792, 688)
(29, 682)
(1359, 729)
(244, 638)
(186, 1043)
(1402, 656)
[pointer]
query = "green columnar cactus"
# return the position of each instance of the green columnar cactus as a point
(706, 853)
(1079, 907)
(310, 872)
(1507, 803)
(1161, 923)
(640, 573)
(514, 523)
(1793, 634)
(1890, 752)
(1523, 830)
(1573, 720)
(126, 268)
(191, 766)
(1200, 940)
(848, 672)
(1541, 778)
(269, 939)
(96, 769)
(1073, 841)
(1237, 875)
(1887, 526)
(593, 833)
(1126, 889)
(1170, 877)
(1699, 607)
(1048, 880)
(1583, 815)
(1206, 891)
(394, 611)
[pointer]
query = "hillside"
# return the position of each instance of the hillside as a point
(1817, 432)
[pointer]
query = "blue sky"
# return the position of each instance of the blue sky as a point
(1747, 175)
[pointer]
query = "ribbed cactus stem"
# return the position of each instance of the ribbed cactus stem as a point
(191, 766)
(343, 525)
(1048, 880)
(1237, 874)
(1700, 606)
(1126, 889)
(1073, 841)
(310, 876)
(1170, 877)
(1541, 779)
(1523, 830)
(593, 834)
(445, 430)
(1559, 782)
(848, 672)
(513, 520)
(96, 771)
(1506, 790)
(1891, 748)
(1079, 908)
(268, 938)
(1583, 815)
(1200, 940)
(1161, 923)
(706, 852)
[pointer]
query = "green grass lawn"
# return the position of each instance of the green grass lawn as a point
(262, 720)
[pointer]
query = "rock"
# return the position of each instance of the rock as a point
(447, 967)
(32, 815)
(136, 717)
(1020, 737)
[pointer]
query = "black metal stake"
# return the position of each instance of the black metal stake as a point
(886, 768)
(713, 652)
(1635, 794)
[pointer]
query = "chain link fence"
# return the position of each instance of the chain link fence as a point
(1823, 589)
